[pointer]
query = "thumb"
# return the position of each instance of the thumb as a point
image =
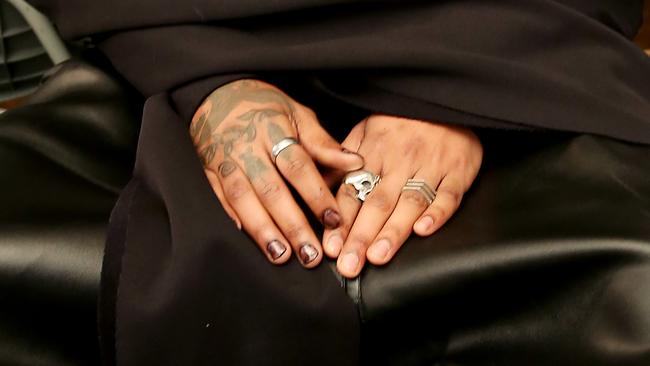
(322, 146)
(353, 141)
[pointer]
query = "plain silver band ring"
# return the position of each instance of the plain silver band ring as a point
(281, 145)
(422, 187)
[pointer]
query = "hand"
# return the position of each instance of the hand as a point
(234, 131)
(447, 158)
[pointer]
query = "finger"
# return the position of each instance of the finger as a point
(353, 140)
(299, 169)
(277, 200)
(351, 143)
(397, 229)
(321, 146)
(346, 197)
(332, 177)
(349, 206)
(372, 216)
(240, 195)
(218, 191)
(448, 197)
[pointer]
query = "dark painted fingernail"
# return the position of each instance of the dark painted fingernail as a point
(331, 219)
(308, 253)
(276, 249)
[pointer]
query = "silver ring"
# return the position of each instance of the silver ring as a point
(363, 181)
(281, 145)
(422, 187)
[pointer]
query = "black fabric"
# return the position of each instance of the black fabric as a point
(94, 17)
(75, 120)
(547, 263)
(64, 157)
(498, 63)
(194, 290)
(110, 274)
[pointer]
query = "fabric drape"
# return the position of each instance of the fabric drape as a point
(192, 290)
(565, 65)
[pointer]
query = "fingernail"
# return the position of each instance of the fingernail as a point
(334, 243)
(350, 262)
(308, 253)
(331, 219)
(425, 224)
(380, 249)
(352, 153)
(276, 249)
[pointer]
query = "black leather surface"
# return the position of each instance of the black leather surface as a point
(64, 157)
(547, 263)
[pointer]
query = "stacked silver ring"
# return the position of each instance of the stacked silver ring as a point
(281, 145)
(422, 187)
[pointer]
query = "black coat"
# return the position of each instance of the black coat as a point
(567, 65)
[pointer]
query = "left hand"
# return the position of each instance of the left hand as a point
(446, 157)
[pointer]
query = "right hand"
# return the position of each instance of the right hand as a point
(234, 130)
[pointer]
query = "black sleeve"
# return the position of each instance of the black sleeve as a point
(565, 65)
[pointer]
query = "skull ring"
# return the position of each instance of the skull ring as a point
(363, 181)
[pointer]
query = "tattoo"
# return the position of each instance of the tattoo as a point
(198, 124)
(220, 105)
(200, 119)
(253, 165)
(276, 133)
(226, 168)
(255, 116)
(207, 154)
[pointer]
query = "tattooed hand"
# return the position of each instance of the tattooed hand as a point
(234, 130)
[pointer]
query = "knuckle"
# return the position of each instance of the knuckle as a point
(454, 195)
(438, 212)
(461, 161)
(295, 167)
(415, 198)
(379, 142)
(236, 190)
(393, 231)
(294, 231)
(270, 191)
(239, 149)
(360, 240)
(379, 200)
(412, 150)
(349, 192)
(319, 196)
(308, 111)
(260, 233)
